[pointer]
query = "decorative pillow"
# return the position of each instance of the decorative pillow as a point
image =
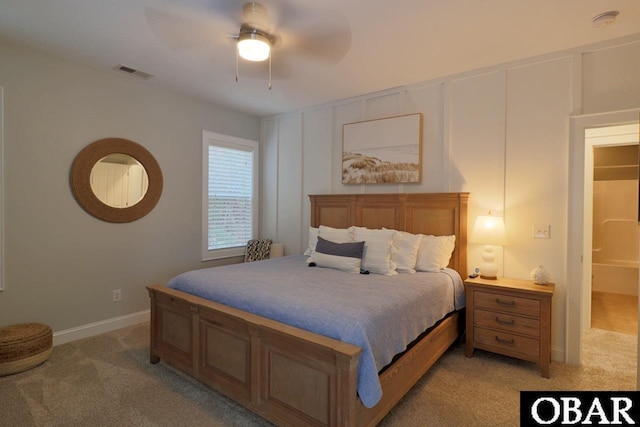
(337, 235)
(378, 248)
(257, 250)
(341, 256)
(313, 239)
(406, 254)
(435, 252)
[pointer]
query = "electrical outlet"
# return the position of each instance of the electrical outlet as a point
(117, 295)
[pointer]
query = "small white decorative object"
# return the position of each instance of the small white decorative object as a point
(540, 276)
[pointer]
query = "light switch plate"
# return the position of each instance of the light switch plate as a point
(541, 231)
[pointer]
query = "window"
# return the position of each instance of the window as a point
(229, 194)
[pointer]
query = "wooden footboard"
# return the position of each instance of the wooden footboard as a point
(287, 375)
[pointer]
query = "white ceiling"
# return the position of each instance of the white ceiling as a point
(376, 44)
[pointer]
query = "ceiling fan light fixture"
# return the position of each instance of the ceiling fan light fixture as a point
(254, 46)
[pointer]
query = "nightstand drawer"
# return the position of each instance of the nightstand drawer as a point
(507, 322)
(506, 341)
(508, 303)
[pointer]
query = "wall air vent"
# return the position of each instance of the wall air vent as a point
(133, 72)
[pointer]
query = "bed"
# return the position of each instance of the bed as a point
(289, 375)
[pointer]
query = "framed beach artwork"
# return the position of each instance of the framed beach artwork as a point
(383, 151)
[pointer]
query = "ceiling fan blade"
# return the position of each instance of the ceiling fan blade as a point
(319, 34)
(187, 26)
(266, 17)
(328, 47)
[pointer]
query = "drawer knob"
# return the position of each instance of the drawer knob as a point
(505, 322)
(511, 302)
(503, 341)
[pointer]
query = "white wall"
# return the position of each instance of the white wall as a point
(500, 133)
(61, 263)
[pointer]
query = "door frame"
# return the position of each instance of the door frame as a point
(577, 252)
(2, 236)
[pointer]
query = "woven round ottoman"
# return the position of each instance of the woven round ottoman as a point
(24, 346)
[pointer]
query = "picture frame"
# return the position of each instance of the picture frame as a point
(383, 151)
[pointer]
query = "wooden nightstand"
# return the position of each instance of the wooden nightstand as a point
(510, 317)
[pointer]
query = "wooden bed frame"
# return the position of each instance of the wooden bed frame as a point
(291, 376)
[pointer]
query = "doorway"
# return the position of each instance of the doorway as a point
(578, 298)
(610, 281)
(614, 238)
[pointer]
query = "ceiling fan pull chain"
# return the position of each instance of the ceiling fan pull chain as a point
(270, 71)
(236, 65)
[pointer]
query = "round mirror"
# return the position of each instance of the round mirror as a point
(119, 180)
(116, 180)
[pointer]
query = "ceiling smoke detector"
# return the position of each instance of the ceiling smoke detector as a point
(605, 18)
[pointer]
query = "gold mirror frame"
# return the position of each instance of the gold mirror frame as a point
(81, 179)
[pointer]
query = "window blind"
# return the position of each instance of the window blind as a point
(230, 197)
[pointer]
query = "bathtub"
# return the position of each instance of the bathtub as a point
(615, 263)
(618, 277)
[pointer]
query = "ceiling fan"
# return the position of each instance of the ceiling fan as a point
(254, 41)
(295, 31)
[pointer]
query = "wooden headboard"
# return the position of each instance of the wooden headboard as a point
(439, 214)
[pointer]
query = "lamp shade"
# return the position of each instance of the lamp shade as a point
(488, 230)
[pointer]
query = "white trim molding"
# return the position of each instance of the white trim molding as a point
(1, 189)
(97, 328)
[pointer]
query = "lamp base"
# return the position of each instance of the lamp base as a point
(488, 269)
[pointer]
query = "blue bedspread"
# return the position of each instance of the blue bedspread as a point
(380, 314)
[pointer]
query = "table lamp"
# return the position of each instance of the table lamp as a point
(489, 231)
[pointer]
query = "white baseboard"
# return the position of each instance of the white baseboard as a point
(557, 355)
(97, 328)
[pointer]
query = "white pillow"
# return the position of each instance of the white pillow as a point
(378, 248)
(406, 254)
(336, 235)
(435, 252)
(313, 239)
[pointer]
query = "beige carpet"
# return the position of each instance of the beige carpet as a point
(107, 381)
